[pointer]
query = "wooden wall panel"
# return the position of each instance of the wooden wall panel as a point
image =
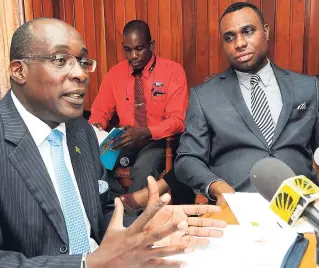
(11, 17)
(152, 19)
(186, 31)
(189, 36)
(269, 13)
(111, 58)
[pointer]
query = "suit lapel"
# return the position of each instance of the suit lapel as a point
(287, 94)
(83, 178)
(229, 85)
(27, 160)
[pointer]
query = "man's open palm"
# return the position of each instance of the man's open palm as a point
(196, 230)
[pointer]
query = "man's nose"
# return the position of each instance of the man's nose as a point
(134, 54)
(78, 73)
(240, 42)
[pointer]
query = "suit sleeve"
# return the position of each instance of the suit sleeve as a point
(11, 259)
(191, 165)
(315, 141)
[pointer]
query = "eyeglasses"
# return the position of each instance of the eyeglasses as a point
(66, 62)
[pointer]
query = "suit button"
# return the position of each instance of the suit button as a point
(272, 152)
(64, 249)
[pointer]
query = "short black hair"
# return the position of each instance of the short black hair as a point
(23, 40)
(139, 26)
(240, 5)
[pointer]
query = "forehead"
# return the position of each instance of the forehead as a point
(236, 20)
(134, 39)
(52, 35)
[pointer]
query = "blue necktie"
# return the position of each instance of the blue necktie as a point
(71, 208)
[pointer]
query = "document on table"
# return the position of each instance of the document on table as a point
(242, 246)
(251, 209)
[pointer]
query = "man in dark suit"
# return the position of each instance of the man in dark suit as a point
(253, 110)
(54, 191)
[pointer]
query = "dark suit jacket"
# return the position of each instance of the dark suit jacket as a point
(222, 140)
(31, 220)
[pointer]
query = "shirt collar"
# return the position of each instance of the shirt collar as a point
(145, 71)
(37, 128)
(264, 74)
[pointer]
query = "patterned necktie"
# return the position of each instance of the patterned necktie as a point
(260, 109)
(71, 207)
(140, 115)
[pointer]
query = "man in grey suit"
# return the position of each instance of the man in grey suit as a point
(53, 187)
(252, 111)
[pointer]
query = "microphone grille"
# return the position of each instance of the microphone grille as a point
(268, 174)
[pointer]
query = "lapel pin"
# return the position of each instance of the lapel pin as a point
(77, 150)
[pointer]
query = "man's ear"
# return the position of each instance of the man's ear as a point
(18, 71)
(152, 45)
(266, 30)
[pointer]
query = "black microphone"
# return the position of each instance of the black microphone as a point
(291, 197)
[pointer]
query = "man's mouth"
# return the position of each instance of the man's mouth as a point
(244, 57)
(137, 63)
(74, 98)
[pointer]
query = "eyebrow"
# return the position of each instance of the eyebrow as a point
(134, 47)
(83, 49)
(61, 47)
(241, 29)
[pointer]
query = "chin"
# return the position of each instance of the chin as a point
(72, 114)
(245, 67)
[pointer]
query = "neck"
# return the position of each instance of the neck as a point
(260, 66)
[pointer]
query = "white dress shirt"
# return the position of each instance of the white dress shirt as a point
(39, 132)
(268, 84)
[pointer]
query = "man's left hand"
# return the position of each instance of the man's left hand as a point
(196, 231)
(132, 137)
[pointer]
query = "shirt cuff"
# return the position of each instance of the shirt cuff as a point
(206, 191)
(83, 261)
(157, 132)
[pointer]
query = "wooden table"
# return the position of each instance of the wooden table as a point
(308, 260)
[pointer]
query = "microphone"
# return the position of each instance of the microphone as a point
(291, 197)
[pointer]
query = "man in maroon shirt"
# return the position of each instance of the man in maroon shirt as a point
(149, 94)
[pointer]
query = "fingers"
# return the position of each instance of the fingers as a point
(204, 232)
(98, 126)
(164, 231)
(121, 143)
(153, 193)
(160, 252)
(200, 209)
(150, 211)
(117, 217)
(159, 263)
(124, 128)
(206, 222)
(191, 242)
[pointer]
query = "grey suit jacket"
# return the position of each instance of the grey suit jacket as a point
(32, 227)
(222, 140)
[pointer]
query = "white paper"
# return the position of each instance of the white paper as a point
(252, 209)
(242, 247)
(101, 135)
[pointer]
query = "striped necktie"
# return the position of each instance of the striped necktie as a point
(140, 115)
(70, 203)
(260, 109)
